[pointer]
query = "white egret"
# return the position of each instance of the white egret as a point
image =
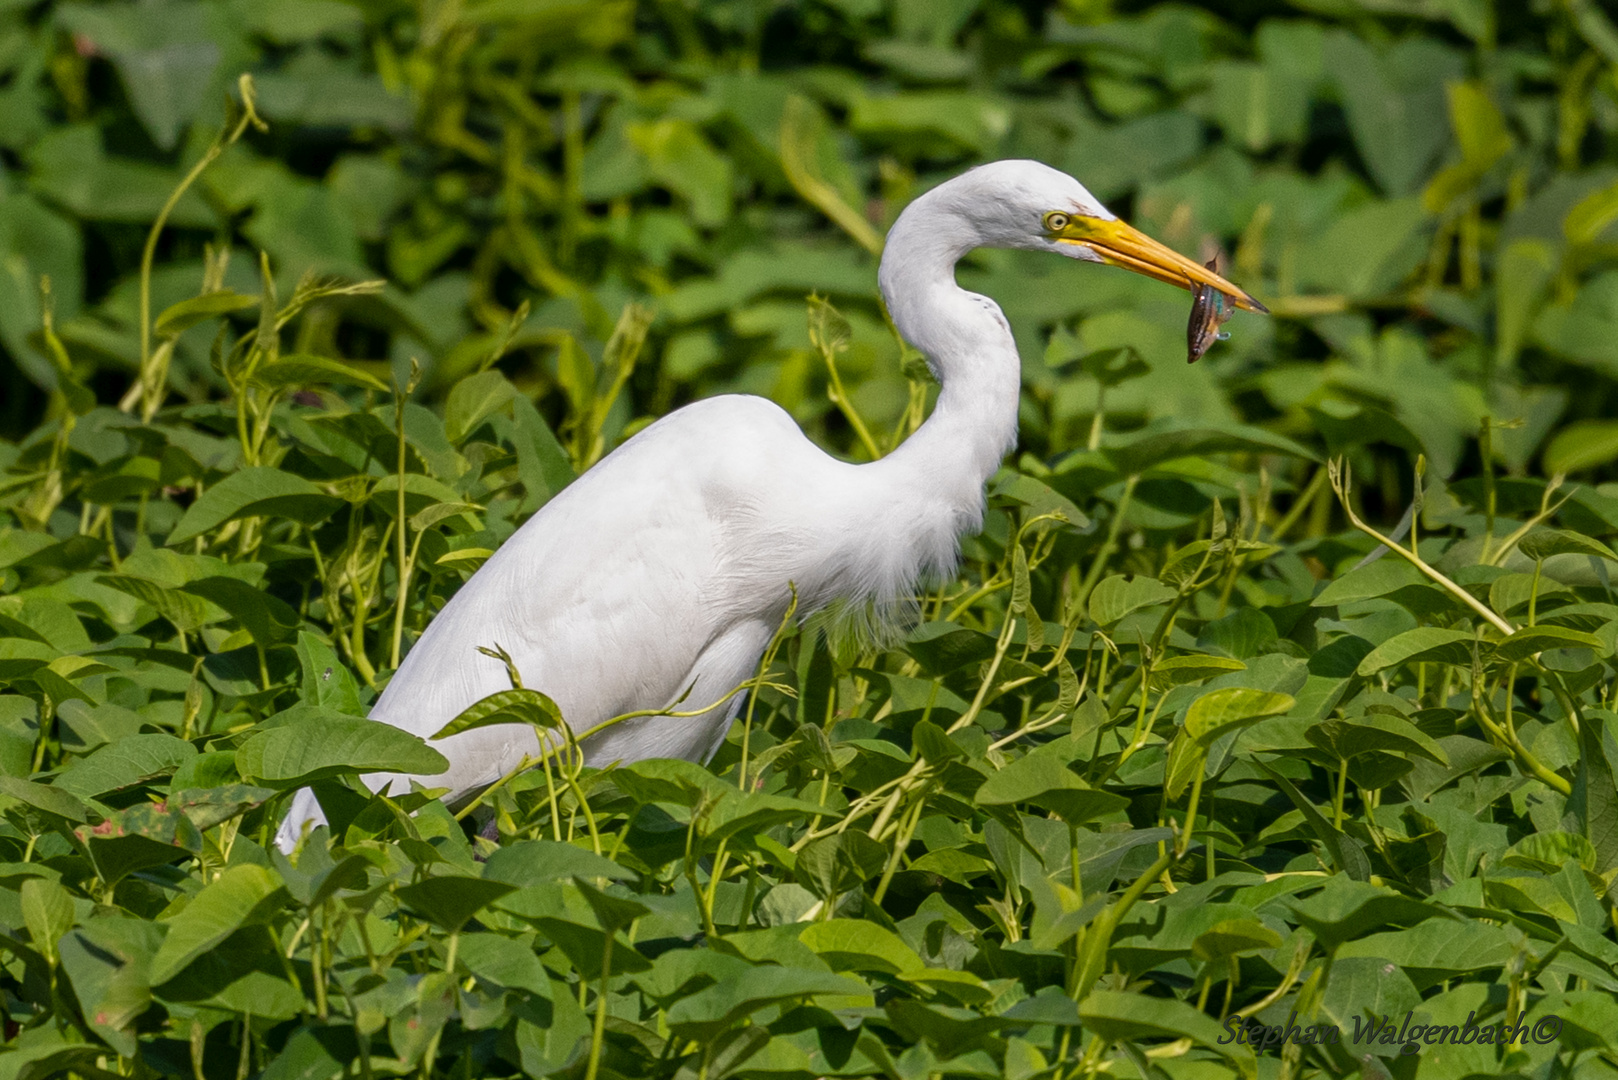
(665, 569)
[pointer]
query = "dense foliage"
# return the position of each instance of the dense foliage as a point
(286, 357)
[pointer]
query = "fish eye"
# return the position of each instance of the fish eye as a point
(1056, 221)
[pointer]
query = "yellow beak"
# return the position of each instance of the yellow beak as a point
(1123, 245)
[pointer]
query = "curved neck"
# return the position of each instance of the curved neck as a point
(969, 345)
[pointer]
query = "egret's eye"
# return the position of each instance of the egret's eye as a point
(1056, 221)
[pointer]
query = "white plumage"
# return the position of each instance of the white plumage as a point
(669, 565)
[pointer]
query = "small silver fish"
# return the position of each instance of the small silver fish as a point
(1210, 308)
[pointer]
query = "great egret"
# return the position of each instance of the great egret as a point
(666, 568)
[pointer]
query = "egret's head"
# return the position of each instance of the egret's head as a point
(1024, 204)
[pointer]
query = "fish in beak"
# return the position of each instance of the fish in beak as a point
(1119, 244)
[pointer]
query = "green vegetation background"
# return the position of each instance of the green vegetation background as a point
(1166, 751)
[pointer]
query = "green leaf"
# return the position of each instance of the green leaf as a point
(833, 865)
(1547, 542)
(178, 318)
(1593, 804)
(707, 1012)
(143, 836)
(257, 491)
(1118, 1014)
(614, 913)
(1583, 444)
(1547, 852)
(1138, 451)
(1346, 852)
(51, 799)
(188, 613)
(473, 400)
(1020, 489)
(1191, 668)
(1232, 937)
(857, 945)
(1117, 596)
(1230, 708)
(515, 706)
(1531, 640)
(1371, 582)
(299, 753)
(1425, 644)
(535, 862)
(1450, 946)
(303, 369)
(207, 807)
(1345, 909)
(240, 896)
(667, 780)
(504, 962)
(450, 901)
(268, 619)
(129, 761)
(325, 680)
(1047, 782)
(47, 911)
(1375, 733)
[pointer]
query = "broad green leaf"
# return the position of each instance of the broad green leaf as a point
(1346, 852)
(258, 491)
(1530, 640)
(835, 864)
(188, 612)
(1047, 782)
(1037, 498)
(207, 807)
(1191, 668)
(614, 913)
(473, 400)
(1229, 708)
(1547, 542)
(124, 763)
(143, 836)
(1546, 852)
(504, 962)
(515, 706)
(856, 945)
(533, 862)
(1139, 451)
(325, 679)
(1372, 733)
(665, 780)
(1117, 1014)
(1582, 445)
(1346, 909)
(299, 753)
(710, 1011)
(178, 318)
(303, 369)
(241, 895)
(47, 911)
(1232, 937)
(1370, 582)
(450, 901)
(1593, 804)
(1117, 596)
(269, 619)
(51, 799)
(1423, 645)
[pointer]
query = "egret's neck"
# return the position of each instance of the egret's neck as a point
(970, 347)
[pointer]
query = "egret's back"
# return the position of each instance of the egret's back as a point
(659, 573)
